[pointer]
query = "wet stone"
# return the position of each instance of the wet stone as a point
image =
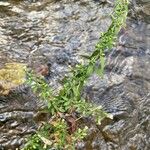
(58, 32)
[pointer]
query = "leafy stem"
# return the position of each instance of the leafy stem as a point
(69, 99)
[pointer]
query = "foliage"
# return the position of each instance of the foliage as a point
(69, 101)
(108, 39)
(55, 136)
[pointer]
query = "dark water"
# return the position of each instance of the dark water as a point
(38, 32)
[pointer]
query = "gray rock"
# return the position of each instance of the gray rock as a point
(59, 32)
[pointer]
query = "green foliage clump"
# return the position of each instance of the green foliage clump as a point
(108, 39)
(55, 134)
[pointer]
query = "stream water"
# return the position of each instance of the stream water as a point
(58, 32)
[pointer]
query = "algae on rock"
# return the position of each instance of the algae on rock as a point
(11, 76)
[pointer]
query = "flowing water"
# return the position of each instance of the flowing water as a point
(58, 32)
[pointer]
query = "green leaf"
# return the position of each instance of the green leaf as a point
(90, 69)
(100, 69)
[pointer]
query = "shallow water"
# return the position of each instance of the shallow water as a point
(58, 32)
